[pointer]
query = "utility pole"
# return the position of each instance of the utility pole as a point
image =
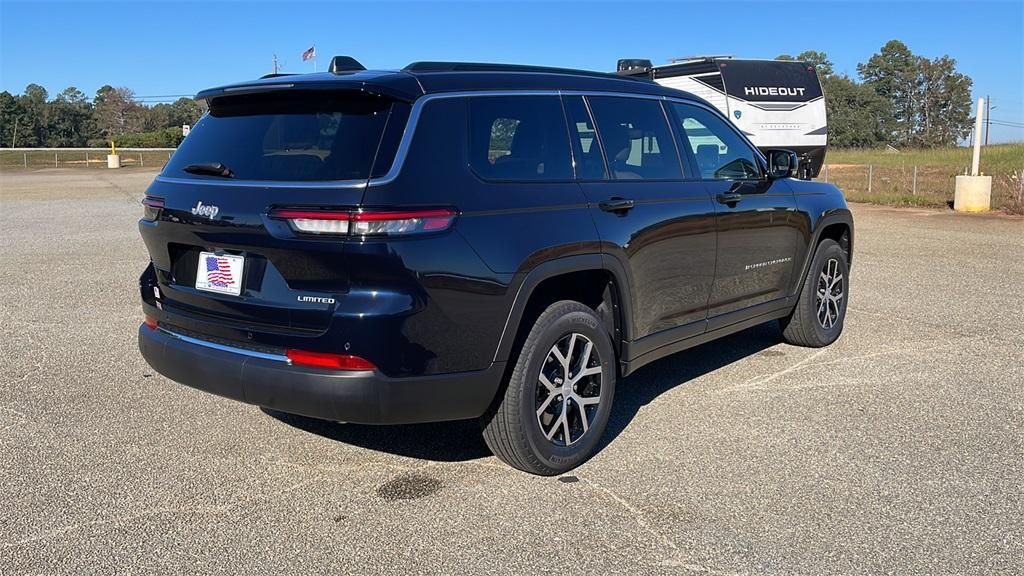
(275, 64)
(988, 116)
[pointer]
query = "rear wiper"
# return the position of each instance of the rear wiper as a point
(210, 169)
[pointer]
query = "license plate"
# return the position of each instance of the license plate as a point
(220, 273)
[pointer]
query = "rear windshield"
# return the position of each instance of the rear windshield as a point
(298, 136)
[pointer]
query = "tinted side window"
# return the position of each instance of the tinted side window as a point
(637, 141)
(518, 138)
(586, 150)
(720, 153)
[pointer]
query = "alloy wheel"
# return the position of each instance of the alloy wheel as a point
(568, 389)
(830, 294)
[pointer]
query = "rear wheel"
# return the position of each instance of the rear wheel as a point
(558, 399)
(817, 319)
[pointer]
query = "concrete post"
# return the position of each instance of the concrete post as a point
(871, 176)
(113, 159)
(915, 181)
(24, 159)
(974, 193)
(54, 159)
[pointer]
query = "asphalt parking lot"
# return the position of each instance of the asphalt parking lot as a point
(899, 449)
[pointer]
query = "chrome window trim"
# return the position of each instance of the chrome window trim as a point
(410, 129)
(225, 348)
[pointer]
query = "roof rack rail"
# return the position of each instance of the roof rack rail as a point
(701, 57)
(490, 67)
(277, 75)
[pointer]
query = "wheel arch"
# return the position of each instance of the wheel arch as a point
(835, 225)
(594, 280)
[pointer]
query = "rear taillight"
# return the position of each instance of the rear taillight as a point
(366, 222)
(151, 207)
(333, 361)
(373, 223)
(315, 221)
(150, 322)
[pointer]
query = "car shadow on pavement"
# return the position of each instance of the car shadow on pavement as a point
(457, 441)
(461, 440)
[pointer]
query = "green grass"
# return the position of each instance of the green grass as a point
(995, 159)
(97, 158)
(892, 174)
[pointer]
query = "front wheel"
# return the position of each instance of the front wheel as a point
(559, 396)
(817, 319)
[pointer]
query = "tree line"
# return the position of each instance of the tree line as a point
(902, 99)
(71, 119)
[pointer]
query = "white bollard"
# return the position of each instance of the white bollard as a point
(113, 160)
(974, 193)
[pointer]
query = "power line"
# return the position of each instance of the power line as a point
(1018, 126)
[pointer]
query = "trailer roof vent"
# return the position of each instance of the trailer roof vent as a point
(343, 64)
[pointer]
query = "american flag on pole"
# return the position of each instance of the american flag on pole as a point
(309, 54)
(218, 271)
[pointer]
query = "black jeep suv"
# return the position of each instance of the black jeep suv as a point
(453, 241)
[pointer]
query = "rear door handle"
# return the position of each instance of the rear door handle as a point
(616, 205)
(729, 198)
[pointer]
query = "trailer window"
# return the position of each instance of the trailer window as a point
(720, 153)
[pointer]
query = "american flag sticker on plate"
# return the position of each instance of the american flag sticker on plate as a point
(220, 273)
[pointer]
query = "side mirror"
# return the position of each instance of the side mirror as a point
(782, 164)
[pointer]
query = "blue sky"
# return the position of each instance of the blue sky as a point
(163, 48)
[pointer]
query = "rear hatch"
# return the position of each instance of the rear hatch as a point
(219, 255)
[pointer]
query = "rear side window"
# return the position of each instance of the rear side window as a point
(637, 142)
(518, 138)
(720, 153)
(586, 150)
(300, 136)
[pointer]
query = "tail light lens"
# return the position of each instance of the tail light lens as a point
(333, 361)
(151, 207)
(367, 222)
(150, 322)
(389, 223)
(315, 221)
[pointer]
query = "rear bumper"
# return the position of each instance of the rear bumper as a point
(360, 397)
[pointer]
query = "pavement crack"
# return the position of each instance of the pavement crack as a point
(637, 517)
(761, 382)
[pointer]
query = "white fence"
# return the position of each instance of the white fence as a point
(37, 158)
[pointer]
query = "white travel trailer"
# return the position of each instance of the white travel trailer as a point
(776, 103)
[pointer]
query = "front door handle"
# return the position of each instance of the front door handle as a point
(729, 198)
(617, 205)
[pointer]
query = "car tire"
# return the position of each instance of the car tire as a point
(817, 319)
(540, 424)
